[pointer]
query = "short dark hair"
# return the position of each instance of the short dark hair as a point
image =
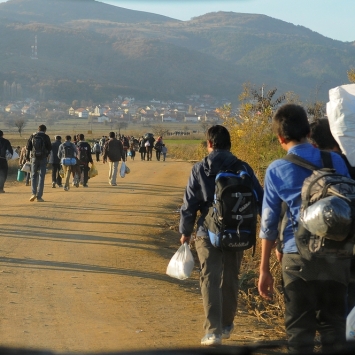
(42, 128)
(321, 135)
(58, 137)
(68, 138)
(1, 133)
(219, 137)
(81, 137)
(112, 135)
(290, 122)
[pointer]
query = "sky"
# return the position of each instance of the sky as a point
(331, 18)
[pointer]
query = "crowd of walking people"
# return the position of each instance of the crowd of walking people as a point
(72, 158)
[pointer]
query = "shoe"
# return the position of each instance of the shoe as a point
(226, 332)
(53, 185)
(2, 191)
(85, 185)
(27, 184)
(113, 184)
(32, 198)
(60, 185)
(66, 188)
(40, 199)
(211, 339)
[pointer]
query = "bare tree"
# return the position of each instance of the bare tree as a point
(121, 125)
(159, 130)
(20, 123)
(205, 126)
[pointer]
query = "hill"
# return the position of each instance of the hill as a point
(91, 50)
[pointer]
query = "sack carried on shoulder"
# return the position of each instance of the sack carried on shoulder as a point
(327, 216)
(231, 220)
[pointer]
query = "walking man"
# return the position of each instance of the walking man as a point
(84, 157)
(219, 269)
(67, 150)
(314, 290)
(38, 148)
(5, 147)
(55, 161)
(113, 152)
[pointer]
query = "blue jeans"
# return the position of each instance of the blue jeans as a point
(38, 169)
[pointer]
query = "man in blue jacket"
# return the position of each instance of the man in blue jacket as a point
(219, 269)
(315, 290)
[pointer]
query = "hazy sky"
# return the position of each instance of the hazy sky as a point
(331, 18)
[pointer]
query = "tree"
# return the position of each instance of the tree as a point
(121, 125)
(159, 130)
(250, 128)
(205, 126)
(316, 110)
(351, 75)
(20, 123)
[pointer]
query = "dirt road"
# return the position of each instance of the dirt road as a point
(84, 271)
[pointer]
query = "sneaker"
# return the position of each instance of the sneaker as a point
(226, 332)
(40, 199)
(113, 184)
(32, 198)
(85, 185)
(211, 339)
(53, 185)
(66, 188)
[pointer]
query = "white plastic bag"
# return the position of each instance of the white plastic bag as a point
(26, 167)
(350, 325)
(341, 116)
(123, 170)
(181, 264)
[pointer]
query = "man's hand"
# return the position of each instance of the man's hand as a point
(266, 285)
(185, 239)
(278, 256)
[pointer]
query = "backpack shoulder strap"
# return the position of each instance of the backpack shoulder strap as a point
(326, 159)
(293, 158)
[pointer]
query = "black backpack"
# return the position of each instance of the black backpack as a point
(326, 228)
(231, 220)
(68, 151)
(39, 146)
(83, 154)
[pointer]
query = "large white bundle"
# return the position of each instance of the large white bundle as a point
(341, 116)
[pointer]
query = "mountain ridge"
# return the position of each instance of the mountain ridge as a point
(120, 49)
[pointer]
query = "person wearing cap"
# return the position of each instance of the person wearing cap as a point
(55, 161)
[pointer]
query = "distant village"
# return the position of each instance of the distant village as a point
(126, 109)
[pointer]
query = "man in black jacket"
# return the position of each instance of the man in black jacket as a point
(84, 157)
(113, 152)
(54, 160)
(4, 168)
(38, 148)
